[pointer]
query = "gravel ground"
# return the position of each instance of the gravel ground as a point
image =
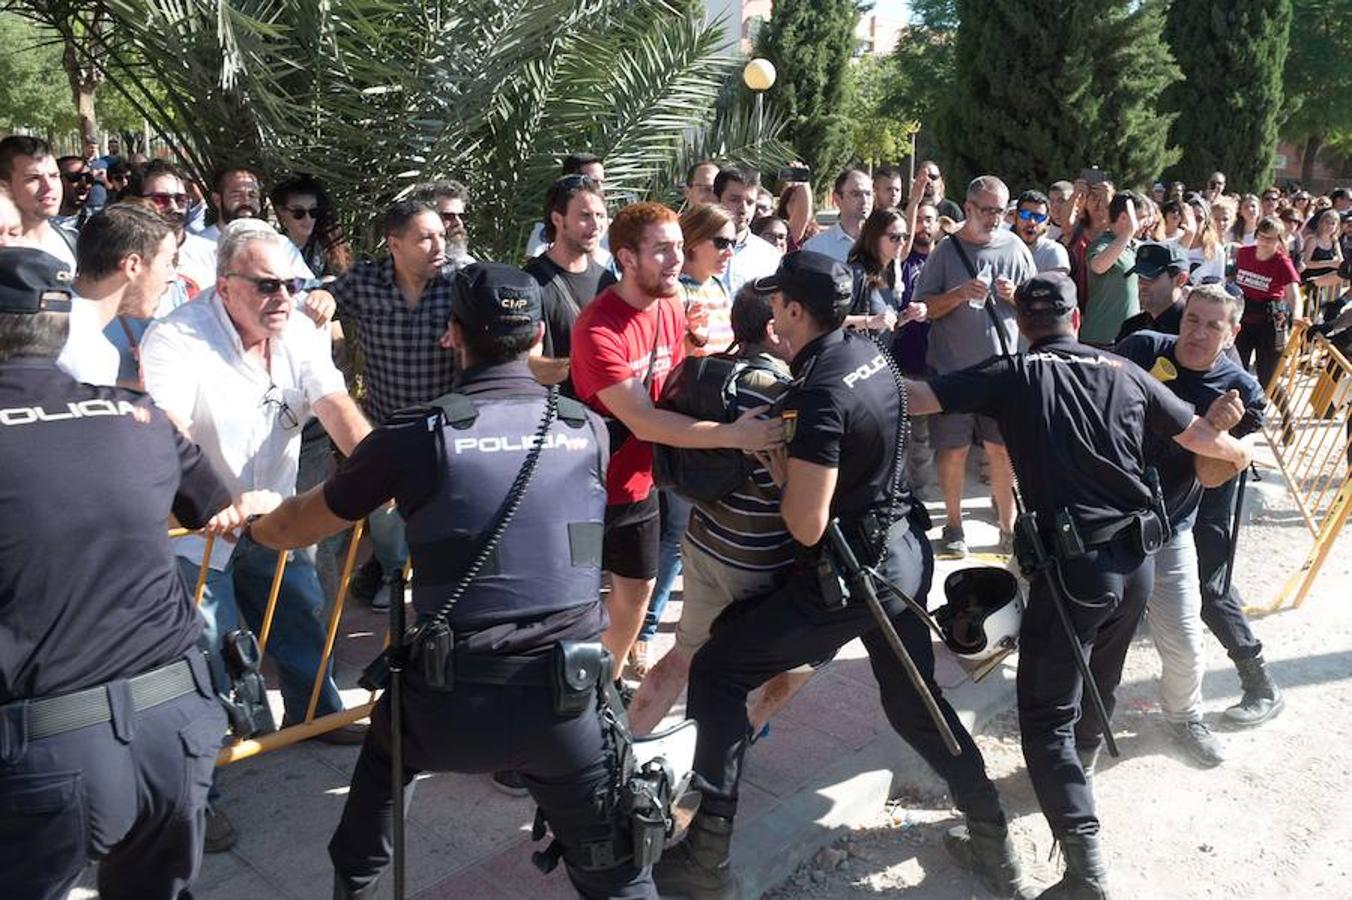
(1273, 821)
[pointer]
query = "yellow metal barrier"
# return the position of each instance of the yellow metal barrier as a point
(310, 727)
(1309, 398)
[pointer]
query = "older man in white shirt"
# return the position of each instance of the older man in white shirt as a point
(241, 370)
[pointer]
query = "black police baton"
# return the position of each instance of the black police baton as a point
(1234, 530)
(862, 584)
(397, 658)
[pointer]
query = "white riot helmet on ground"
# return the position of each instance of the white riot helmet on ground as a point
(983, 613)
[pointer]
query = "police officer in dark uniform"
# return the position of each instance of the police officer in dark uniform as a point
(842, 461)
(489, 704)
(1075, 419)
(109, 726)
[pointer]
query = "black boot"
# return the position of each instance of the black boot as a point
(1262, 698)
(1086, 877)
(342, 892)
(699, 866)
(984, 848)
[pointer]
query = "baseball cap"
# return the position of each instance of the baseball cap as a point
(32, 281)
(1154, 257)
(813, 279)
(1048, 292)
(496, 298)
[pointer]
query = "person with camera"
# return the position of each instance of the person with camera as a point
(1078, 459)
(841, 472)
(487, 696)
(109, 724)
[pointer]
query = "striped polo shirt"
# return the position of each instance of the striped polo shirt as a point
(744, 529)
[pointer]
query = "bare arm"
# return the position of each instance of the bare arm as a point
(1123, 230)
(300, 521)
(921, 400)
(339, 415)
(1213, 472)
(629, 402)
(806, 499)
(1203, 439)
(941, 305)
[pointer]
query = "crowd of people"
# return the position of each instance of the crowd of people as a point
(243, 312)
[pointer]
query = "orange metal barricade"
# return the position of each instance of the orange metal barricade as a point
(1309, 397)
(311, 726)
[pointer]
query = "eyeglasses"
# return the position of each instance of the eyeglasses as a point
(303, 212)
(285, 414)
(77, 177)
(164, 198)
(270, 286)
(988, 210)
(449, 217)
(1270, 198)
(721, 243)
(575, 181)
(896, 237)
(1217, 184)
(1029, 216)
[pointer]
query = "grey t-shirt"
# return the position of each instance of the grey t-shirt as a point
(1049, 255)
(966, 335)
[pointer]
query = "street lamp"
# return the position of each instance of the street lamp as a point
(759, 76)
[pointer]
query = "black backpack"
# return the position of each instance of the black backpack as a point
(706, 387)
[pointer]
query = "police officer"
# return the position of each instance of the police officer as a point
(842, 458)
(489, 705)
(1075, 419)
(109, 727)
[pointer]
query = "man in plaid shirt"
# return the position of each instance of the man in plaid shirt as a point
(397, 311)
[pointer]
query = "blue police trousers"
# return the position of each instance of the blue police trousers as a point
(478, 728)
(1114, 581)
(757, 638)
(130, 793)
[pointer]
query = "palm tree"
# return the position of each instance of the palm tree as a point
(374, 96)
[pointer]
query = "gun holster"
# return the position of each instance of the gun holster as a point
(867, 537)
(246, 703)
(576, 668)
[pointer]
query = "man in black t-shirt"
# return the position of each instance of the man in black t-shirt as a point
(844, 460)
(1075, 420)
(109, 725)
(568, 274)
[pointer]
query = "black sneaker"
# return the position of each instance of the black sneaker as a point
(219, 835)
(952, 543)
(1200, 743)
(366, 581)
(510, 783)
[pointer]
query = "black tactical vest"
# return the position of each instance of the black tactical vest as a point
(549, 558)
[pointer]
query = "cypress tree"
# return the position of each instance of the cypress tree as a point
(1232, 56)
(810, 43)
(1047, 88)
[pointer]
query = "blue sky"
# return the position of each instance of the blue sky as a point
(891, 9)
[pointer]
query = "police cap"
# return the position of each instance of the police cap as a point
(1153, 258)
(1048, 292)
(495, 298)
(32, 281)
(813, 279)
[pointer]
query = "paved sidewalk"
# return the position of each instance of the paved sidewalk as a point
(830, 763)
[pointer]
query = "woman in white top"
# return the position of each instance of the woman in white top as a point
(1206, 250)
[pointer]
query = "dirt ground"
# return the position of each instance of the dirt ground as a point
(1273, 822)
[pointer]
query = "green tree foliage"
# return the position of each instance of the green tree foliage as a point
(1227, 106)
(374, 95)
(1043, 88)
(876, 130)
(1317, 80)
(810, 43)
(923, 64)
(34, 93)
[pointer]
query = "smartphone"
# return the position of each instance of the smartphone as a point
(1093, 176)
(790, 174)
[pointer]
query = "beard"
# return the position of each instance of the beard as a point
(457, 246)
(243, 211)
(652, 284)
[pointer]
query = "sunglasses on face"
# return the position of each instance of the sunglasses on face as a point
(1028, 215)
(271, 286)
(164, 198)
(77, 177)
(1218, 184)
(449, 217)
(303, 212)
(722, 243)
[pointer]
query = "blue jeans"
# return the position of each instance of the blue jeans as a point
(675, 519)
(296, 641)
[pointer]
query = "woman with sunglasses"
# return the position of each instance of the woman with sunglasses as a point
(884, 240)
(709, 235)
(308, 219)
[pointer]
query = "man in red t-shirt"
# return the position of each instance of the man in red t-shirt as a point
(625, 344)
